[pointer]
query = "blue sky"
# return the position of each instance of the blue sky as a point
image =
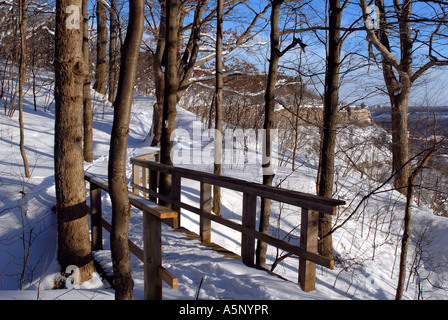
(433, 85)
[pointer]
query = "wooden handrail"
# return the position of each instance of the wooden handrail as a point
(300, 199)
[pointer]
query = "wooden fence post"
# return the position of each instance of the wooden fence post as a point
(308, 242)
(248, 221)
(175, 195)
(95, 217)
(144, 177)
(152, 246)
(205, 224)
(135, 177)
(153, 183)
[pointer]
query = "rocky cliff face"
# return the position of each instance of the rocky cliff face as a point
(313, 115)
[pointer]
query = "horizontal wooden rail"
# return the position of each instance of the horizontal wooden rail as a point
(166, 276)
(300, 199)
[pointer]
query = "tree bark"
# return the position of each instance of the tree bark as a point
(87, 100)
(268, 174)
(159, 77)
(400, 140)
(269, 125)
(171, 86)
(399, 98)
(73, 225)
(218, 108)
(398, 89)
(121, 208)
(101, 48)
(331, 101)
(22, 75)
(113, 52)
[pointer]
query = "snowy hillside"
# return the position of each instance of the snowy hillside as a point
(367, 246)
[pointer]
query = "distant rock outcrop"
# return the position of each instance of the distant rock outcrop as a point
(313, 115)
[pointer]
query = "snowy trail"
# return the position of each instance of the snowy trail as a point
(356, 275)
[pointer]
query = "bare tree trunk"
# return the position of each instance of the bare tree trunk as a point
(191, 52)
(400, 140)
(269, 126)
(73, 224)
(399, 92)
(268, 174)
(22, 75)
(218, 108)
(331, 101)
(171, 86)
(87, 100)
(298, 103)
(159, 77)
(121, 208)
(113, 53)
(101, 48)
(408, 223)
(399, 89)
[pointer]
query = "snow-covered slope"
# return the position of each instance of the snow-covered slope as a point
(366, 246)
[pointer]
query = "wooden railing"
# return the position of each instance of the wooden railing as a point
(151, 254)
(145, 179)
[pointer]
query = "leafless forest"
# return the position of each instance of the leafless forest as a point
(322, 73)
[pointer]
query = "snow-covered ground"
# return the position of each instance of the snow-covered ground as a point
(366, 247)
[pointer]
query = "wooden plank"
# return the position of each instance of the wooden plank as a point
(106, 225)
(150, 207)
(248, 221)
(176, 191)
(152, 247)
(175, 195)
(95, 217)
(144, 177)
(205, 225)
(147, 156)
(153, 183)
(135, 176)
(136, 250)
(308, 242)
(169, 279)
